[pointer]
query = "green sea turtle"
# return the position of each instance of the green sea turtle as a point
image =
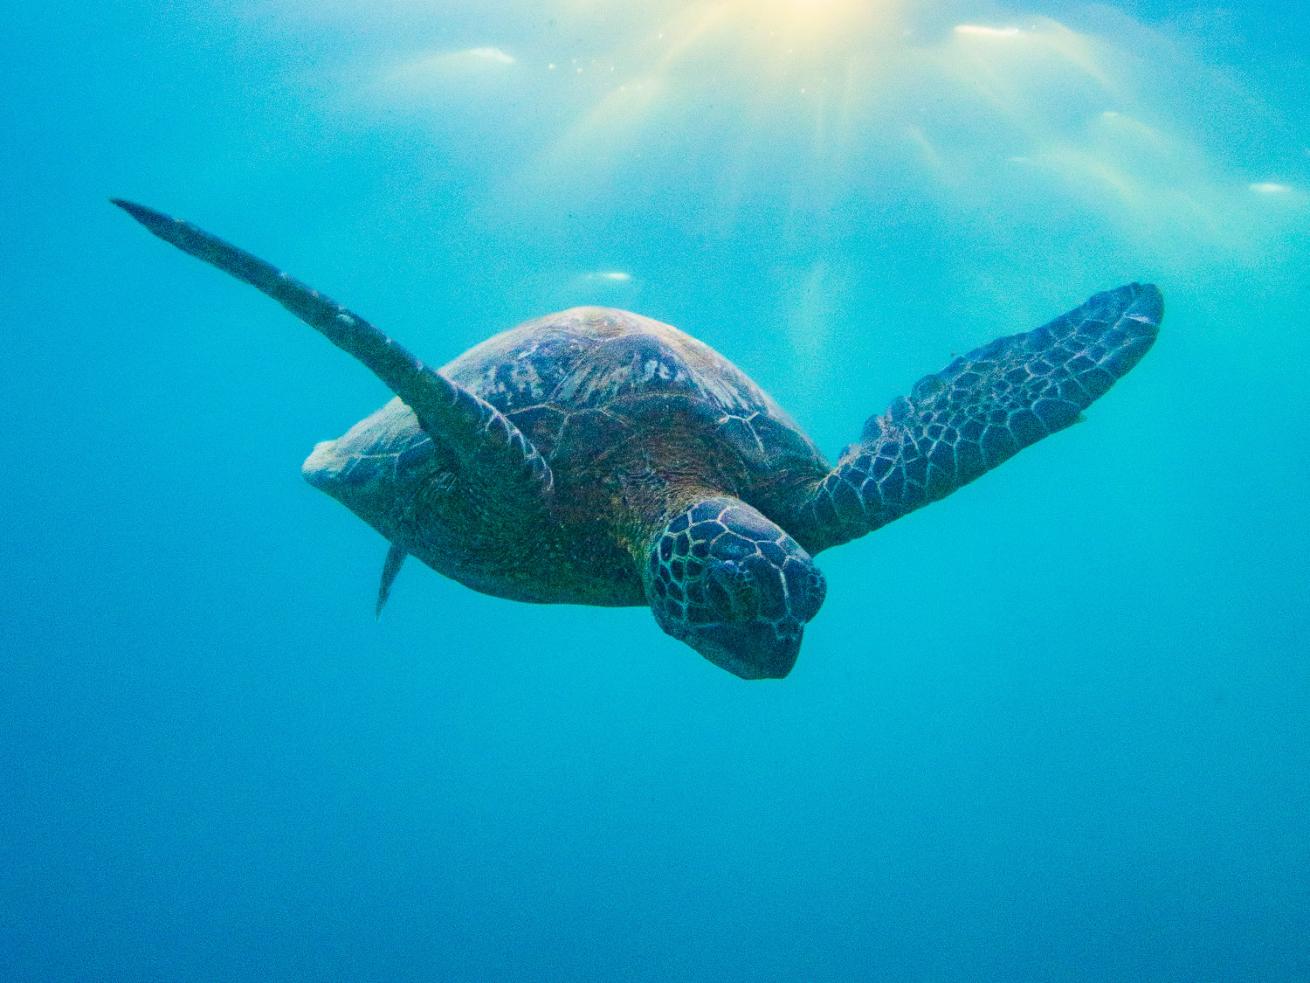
(599, 457)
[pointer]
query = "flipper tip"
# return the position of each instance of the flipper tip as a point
(139, 212)
(1148, 307)
(395, 559)
(156, 222)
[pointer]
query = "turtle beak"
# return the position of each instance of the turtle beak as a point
(750, 650)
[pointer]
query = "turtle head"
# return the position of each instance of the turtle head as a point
(735, 587)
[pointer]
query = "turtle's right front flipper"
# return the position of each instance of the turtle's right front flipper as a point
(978, 412)
(479, 434)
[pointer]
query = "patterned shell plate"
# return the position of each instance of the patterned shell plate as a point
(584, 379)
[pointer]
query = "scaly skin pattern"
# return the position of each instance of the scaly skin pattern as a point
(729, 582)
(978, 412)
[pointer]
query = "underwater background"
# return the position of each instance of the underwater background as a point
(1056, 727)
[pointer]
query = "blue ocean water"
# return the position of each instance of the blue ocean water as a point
(1056, 727)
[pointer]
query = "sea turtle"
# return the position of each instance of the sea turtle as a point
(596, 456)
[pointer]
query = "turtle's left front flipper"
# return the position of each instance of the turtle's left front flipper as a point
(978, 412)
(482, 438)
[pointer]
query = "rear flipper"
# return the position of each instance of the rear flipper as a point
(395, 560)
(979, 411)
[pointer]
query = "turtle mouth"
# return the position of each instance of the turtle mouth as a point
(753, 650)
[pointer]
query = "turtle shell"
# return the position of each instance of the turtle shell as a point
(581, 382)
(577, 381)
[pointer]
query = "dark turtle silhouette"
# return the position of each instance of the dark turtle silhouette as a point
(598, 457)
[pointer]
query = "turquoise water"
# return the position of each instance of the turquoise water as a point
(1055, 727)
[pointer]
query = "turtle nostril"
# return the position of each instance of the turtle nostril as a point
(788, 630)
